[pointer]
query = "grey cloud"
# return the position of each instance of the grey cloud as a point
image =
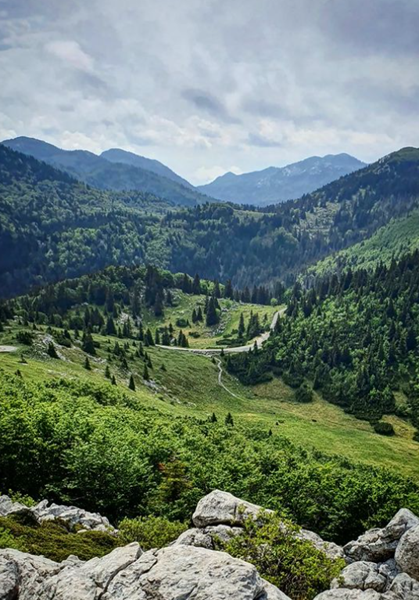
(255, 139)
(205, 102)
(201, 83)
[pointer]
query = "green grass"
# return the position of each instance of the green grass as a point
(207, 337)
(188, 385)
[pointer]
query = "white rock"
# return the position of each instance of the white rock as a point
(222, 508)
(361, 575)
(407, 553)
(186, 572)
(9, 579)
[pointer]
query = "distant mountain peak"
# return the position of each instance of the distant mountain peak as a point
(277, 184)
(117, 155)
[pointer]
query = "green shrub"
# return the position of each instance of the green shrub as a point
(304, 394)
(53, 539)
(384, 428)
(25, 337)
(294, 565)
(7, 540)
(150, 532)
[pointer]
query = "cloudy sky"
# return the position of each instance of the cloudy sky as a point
(208, 86)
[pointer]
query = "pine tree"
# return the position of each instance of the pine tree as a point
(113, 380)
(148, 338)
(241, 329)
(146, 375)
(196, 286)
(107, 372)
(88, 344)
(211, 316)
(51, 351)
(87, 364)
(229, 419)
(213, 418)
(131, 384)
(199, 315)
(228, 290)
(157, 338)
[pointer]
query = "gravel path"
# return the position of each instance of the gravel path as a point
(8, 348)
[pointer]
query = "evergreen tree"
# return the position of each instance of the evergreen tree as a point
(88, 344)
(241, 328)
(229, 419)
(107, 372)
(131, 384)
(113, 380)
(213, 418)
(87, 364)
(211, 316)
(51, 351)
(148, 338)
(146, 375)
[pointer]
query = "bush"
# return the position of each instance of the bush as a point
(294, 565)
(182, 322)
(304, 394)
(384, 428)
(53, 539)
(25, 337)
(150, 532)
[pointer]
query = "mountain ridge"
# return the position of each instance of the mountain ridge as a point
(106, 175)
(277, 184)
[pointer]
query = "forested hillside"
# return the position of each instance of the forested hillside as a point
(105, 174)
(352, 338)
(43, 239)
(276, 184)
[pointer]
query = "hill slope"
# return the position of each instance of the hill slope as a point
(116, 155)
(72, 229)
(104, 174)
(274, 184)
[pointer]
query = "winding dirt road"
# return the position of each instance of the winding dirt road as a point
(214, 351)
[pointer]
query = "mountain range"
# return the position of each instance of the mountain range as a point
(53, 226)
(114, 170)
(273, 185)
(117, 170)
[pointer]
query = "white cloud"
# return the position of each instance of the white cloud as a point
(71, 53)
(203, 85)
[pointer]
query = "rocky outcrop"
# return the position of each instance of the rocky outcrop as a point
(383, 564)
(378, 545)
(220, 516)
(43, 511)
(172, 573)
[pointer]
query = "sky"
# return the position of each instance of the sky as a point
(209, 86)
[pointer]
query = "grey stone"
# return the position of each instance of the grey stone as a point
(405, 587)
(331, 550)
(70, 514)
(9, 579)
(32, 571)
(186, 572)
(378, 545)
(345, 594)
(222, 508)
(407, 553)
(361, 575)
(208, 536)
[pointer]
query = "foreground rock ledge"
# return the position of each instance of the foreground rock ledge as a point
(382, 564)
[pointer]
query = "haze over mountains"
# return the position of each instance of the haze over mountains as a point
(117, 170)
(274, 184)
